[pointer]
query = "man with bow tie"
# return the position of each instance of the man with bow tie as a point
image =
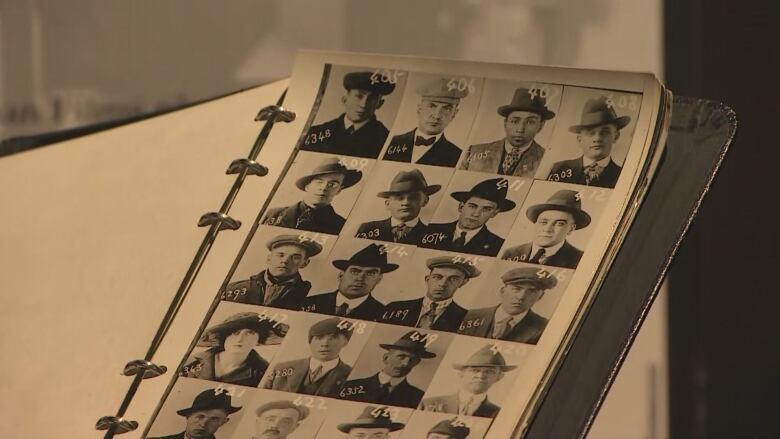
(407, 195)
(597, 133)
(513, 319)
(427, 144)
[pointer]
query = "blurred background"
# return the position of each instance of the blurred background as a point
(705, 363)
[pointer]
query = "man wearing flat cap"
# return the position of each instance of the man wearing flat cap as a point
(359, 275)
(231, 357)
(469, 233)
(554, 221)
(356, 132)
(517, 153)
(407, 195)
(597, 133)
(280, 285)
(322, 373)
(389, 385)
(373, 423)
(427, 144)
(513, 319)
(209, 411)
(278, 419)
(476, 376)
(436, 310)
(449, 429)
(314, 212)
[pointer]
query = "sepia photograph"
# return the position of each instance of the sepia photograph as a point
(353, 420)
(436, 425)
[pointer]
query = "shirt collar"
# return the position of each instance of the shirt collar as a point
(327, 366)
(436, 137)
(351, 303)
(394, 222)
(469, 233)
(464, 396)
(268, 280)
(426, 304)
(603, 162)
(501, 315)
(509, 148)
(348, 123)
(548, 251)
(385, 378)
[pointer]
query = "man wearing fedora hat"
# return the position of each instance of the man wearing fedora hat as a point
(278, 419)
(477, 375)
(436, 310)
(517, 153)
(210, 410)
(280, 285)
(315, 213)
(358, 276)
(356, 131)
(513, 319)
(407, 195)
(390, 385)
(449, 429)
(597, 133)
(469, 233)
(372, 423)
(231, 357)
(426, 144)
(554, 220)
(323, 372)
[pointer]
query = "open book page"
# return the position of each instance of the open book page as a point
(436, 234)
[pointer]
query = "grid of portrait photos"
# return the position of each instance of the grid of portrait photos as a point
(409, 262)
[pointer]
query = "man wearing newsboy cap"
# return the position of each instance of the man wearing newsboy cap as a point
(517, 153)
(209, 412)
(280, 285)
(278, 419)
(315, 213)
(407, 195)
(323, 372)
(483, 369)
(427, 144)
(356, 131)
(554, 221)
(513, 319)
(597, 133)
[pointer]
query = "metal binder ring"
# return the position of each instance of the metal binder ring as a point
(251, 166)
(122, 425)
(224, 221)
(150, 369)
(282, 114)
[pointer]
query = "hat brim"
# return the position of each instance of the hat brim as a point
(505, 110)
(263, 327)
(342, 265)
(503, 205)
(620, 123)
(428, 190)
(505, 368)
(421, 354)
(351, 177)
(581, 218)
(393, 426)
(310, 249)
(470, 270)
(190, 410)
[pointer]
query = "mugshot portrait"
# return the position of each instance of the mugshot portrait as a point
(354, 420)
(591, 137)
(438, 425)
(512, 130)
(282, 415)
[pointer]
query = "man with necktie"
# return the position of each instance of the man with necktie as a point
(323, 372)
(469, 233)
(358, 276)
(476, 376)
(210, 410)
(517, 153)
(437, 310)
(513, 319)
(407, 195)
(427, 144)
(554, 221)
(597, 133)
(356, 132)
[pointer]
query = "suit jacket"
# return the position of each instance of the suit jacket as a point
(568, 256)
(407, 313)
(367, 390)
(480, 323)
(442, 153)
(252, 291)
(324, 219)
(289, 376)
(488, 157)
(484, 242)
(201, 366)
(371, 309)
(449, 404)
(332, 137)
(572, 171)
(382, 230)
